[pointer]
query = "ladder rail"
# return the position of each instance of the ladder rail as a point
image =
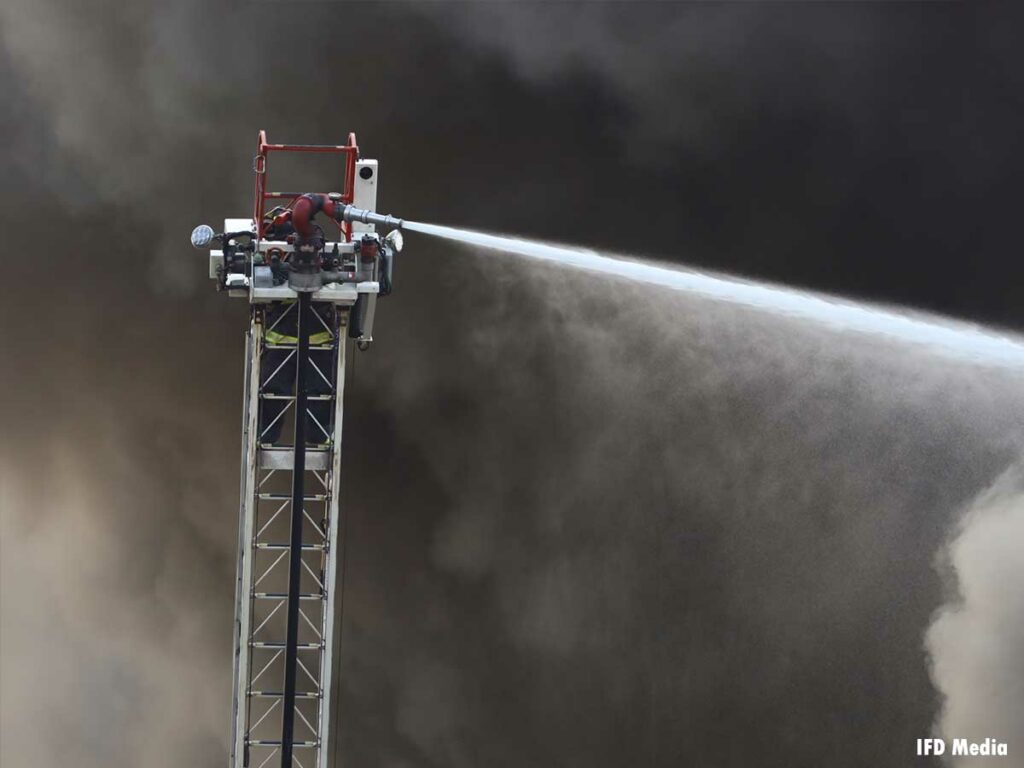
(337, 553)
(243, 599)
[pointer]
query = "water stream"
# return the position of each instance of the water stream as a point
(944, 336)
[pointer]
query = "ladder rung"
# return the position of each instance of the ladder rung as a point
(279, 694)
(320, 446)
(284, 596)
(284, 458)
(269, 743)
(292, 397)
(276, 646)
(292, 346)
(287, 497)
(273, 545)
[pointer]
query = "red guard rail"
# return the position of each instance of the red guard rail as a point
(259, 166)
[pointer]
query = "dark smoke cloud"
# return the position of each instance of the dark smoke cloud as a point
(588, 524)
(857, 148)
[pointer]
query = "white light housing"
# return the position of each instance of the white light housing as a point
(202, 235)
(395, 240)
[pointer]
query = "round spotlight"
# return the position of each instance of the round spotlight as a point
(395, 240)
(202, 235)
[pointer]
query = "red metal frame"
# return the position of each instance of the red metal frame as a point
(259, 166)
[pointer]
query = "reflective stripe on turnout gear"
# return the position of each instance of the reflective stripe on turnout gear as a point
(273, 337)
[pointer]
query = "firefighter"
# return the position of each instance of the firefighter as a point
(277, 370)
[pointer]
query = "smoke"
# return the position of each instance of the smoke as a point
(975, 640)
(93, 634)
(587, 523)
(696, 103)
(713, 496)
(117, 485)
(974, 643)
(88, 69)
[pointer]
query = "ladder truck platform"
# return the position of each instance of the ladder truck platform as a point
(311, 289)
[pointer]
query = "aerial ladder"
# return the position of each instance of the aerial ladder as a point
(309, 291)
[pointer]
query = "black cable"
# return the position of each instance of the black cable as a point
(295, 544)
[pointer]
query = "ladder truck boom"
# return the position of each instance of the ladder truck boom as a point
(307, 293)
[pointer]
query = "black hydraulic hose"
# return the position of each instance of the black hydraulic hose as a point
(295, 545)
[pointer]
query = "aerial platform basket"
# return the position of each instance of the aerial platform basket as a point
(289, 548)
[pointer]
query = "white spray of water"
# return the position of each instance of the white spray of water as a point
(954, 339)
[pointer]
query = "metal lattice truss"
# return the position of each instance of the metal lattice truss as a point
(262, 597)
